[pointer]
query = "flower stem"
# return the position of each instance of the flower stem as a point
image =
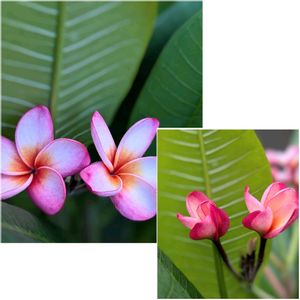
(224, 256)
(260, 257)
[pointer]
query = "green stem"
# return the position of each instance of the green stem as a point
(226, 260)
(57, 58)
(220, 274)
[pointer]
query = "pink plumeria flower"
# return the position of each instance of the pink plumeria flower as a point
(38, 163)
(124, 175)
(206, 220)
(277, 210)
(284, 164)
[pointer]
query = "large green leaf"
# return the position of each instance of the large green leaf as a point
(75, 57)
(166, 24)
(221, 164)
(18, 225)
(173, 91)
(171, 282)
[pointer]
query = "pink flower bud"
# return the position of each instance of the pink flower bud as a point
(206, 220)
(277, 210)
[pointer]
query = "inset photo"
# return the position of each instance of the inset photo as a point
(85, 85)
(228, 213)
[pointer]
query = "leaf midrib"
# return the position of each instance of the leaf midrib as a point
(58, 53)
(208, 191)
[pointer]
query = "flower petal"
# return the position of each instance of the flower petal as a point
(204, 230)
(98, 179)
(293, 218)
(252, 203)
(33, 132)
(188, 222)
(66, 156)
(281, 199)
(137, 200)
(136, 141)
(48, 190)
(221, 220)
(103, 140)
(270, 192)
(259, 221)
(11, 163)
(13, 185)
(193, 200)
(282, 218)
(289, 156)
(144, 167)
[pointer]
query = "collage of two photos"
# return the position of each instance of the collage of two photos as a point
(103, 141)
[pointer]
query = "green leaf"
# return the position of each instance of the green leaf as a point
(220, 164)
(18, 225)
(75, 57)
(167, 23)
(171, 281)
(173, 91)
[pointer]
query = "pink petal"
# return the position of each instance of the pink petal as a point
(293, 218)
(220, 219)
(252, 203)
(66, 156)
(289, 156)
(282, 218)
(48, 190)
(103, 140)
(33, 132)
(271, 190)
(98, 179)
(274, 156)
(137, 200)
(193, 200)
(13, 185)
(144, 167)
(204, 209)
(282, 175)
(204, 230)
(11, 163)
(259, 221)
(136, 141)
(187, 221)
(282, 199)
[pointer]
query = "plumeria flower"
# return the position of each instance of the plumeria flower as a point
(284, 164)
(206, 220)
(123, 174)
(38, 163)
(277, 210)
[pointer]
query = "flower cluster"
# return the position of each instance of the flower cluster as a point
(38, 162)
(277, 210)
